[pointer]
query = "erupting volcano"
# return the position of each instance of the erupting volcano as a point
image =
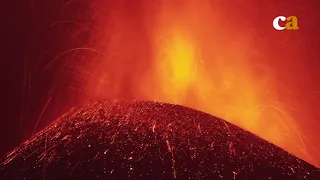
(148, 140)
(260, 88)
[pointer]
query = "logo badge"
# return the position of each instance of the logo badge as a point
(291, 23)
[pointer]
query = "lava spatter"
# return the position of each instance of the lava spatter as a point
(148, 140)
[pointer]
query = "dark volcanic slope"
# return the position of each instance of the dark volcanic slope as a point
(148, 140)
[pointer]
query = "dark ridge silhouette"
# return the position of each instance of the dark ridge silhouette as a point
(148, 140)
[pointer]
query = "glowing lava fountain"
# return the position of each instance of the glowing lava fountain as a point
(224, 60)
(190, 53)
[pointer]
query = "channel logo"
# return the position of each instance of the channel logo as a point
(291, 23)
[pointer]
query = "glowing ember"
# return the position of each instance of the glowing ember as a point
(119, 140)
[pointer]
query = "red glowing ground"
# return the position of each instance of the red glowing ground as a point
(148, 140)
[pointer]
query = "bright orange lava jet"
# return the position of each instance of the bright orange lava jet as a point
(223, 59)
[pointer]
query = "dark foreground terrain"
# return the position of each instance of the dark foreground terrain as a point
(148, 140)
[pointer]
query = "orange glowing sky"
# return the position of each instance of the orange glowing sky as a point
(223, 59)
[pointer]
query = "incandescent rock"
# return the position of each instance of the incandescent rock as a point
(148, 140)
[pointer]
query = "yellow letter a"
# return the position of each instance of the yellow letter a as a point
(293, 25)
